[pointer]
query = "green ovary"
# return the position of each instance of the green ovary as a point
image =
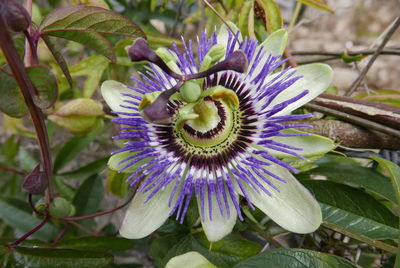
(209, 132)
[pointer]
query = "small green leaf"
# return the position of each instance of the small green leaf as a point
(86, 24)
(12, 102)
(55, 258)
(116, 183)
(273, 17)
(354, 210)
(73, 147)
(394, 171)
(24, 221)
(299, 258)
(243, 20)
(101, 243)
(45, 84)
(92, 68)
(317, 4)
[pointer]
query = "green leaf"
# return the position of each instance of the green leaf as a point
(24, 221)
(88, 198)
(55, 50)
(64, 189)
(85, 171)
(85, 24)
(92, 68)
(366, 178)
(12, 102)
(45, 84)
(243, 20)
(101, 243)
(394, 171)
(317, 4)
(73, 148)
(294, 258)
(273, 17)
(54, 258)
(354, 210)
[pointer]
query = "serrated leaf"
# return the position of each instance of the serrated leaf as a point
(366, 178)
(12, 102)
(73, 147)
(85, 24)
(24, 221)
(45, 84)
(354, 210)
(294, 258)
(102, 243)
(85, 171)
(54, 258)
(55, 51)
(317, 4)
(92, 68)
(273, 17)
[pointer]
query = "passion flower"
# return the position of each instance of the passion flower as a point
(216, 127)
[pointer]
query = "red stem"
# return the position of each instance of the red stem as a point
(28, 91)
(97, 214)
(34, 230)
(12, 170)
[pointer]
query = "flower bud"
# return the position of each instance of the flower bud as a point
(15, 15)
(78, 116)
(189, 259)
(190, 91)
(35, 182)
(61, 207)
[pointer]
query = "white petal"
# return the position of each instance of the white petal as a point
(220, 226)
(111, 91)
(223, 34)
(293, 208)
(141, 219)
(311, 145)
(316, 79)
(191, 259)
(274, 44)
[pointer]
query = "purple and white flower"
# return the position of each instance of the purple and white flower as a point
(216, 127)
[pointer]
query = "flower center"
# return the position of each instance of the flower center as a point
(215, 128)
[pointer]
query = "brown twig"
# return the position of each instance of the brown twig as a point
(353, 119)
(364, 72)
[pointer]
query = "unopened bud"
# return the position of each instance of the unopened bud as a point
(15, 15)
(190, 91)
(35, 182)
(61, 207)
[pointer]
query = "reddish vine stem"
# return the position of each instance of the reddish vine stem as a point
(60, 235)
(97, 214)
(30, 201)
(34, 230)
(12, 170)
(82, 228)
(28, 91)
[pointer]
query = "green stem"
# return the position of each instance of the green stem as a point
(295, 16)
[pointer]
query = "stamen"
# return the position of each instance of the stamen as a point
(237, 61)
(140, 51)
